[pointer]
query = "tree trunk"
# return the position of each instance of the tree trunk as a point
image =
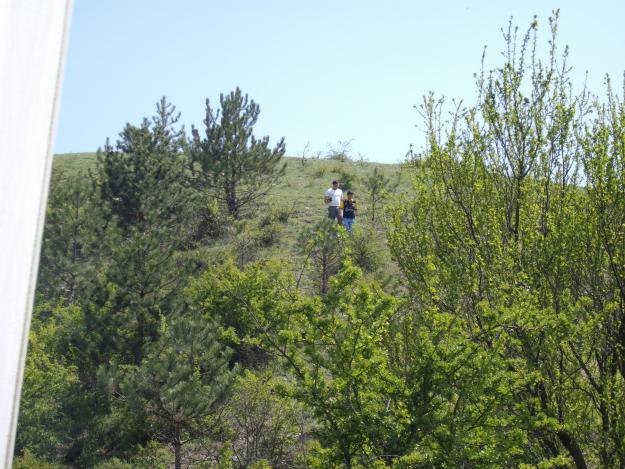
(517, 209)
(178, 455)
(231, 200)
(573, 448)
(324, 276)
(137, 346)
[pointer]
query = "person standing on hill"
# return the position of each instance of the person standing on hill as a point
(349, 211)
(333, 198)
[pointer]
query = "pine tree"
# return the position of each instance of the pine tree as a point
(234, 166)
(143, 177)
(143, 184)
(378, 187)
(323, 252)
(181, 384)
(72, 238)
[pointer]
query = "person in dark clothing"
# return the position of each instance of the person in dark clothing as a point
(349, 211)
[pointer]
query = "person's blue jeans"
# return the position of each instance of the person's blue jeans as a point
(348, 223)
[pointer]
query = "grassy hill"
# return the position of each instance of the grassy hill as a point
(297, 200)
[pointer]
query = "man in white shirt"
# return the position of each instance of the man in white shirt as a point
(334, 197)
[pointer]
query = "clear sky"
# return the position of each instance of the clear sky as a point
(322, 71)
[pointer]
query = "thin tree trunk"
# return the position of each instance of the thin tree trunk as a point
(573, 448)
(324, 277)
(137, 346)
(231, 200)
(178, 455)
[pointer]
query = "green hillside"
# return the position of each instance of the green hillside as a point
(298, 197)
(481, 324)
(306, 179)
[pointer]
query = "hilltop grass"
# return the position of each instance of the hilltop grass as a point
(73, 163)
(303, 184)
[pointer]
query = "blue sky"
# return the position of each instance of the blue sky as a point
(322, 72)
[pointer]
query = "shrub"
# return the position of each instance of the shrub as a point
(263, 426)
(30, 461)
(276, 214)
(342, 157)
(322, 248)
(340, 152)
(245, 243)
(319, 172)
(266, 219)
(211, 223)
(365, 248)
(269, 234)
(284, 213)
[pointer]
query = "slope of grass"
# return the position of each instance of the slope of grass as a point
(299, 194)
(303, 185)
(72, 163)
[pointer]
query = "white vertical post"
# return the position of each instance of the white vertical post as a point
(33, 37)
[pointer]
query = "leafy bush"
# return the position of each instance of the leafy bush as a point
(322, 248)
(245, 242)
(342, 157)
(50, 384)
(269, 228)
(340, 152)
(262, 425)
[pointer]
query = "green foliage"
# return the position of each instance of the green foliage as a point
(231, 296)
(212, 225)
(502, 345)
(343, 373)
(30, 461)
(319, 171)
(270, 225)
(151, 456)
(322, 249)
(365, 249)
(378, 188)
(282, 214)
(334, 350)
(142, 179)
(50, 386)
(181, 384)
(72, 238)
(263, 426)
(503, 251)
(340, 152)
(269, 234)
(229, 161)
(143, 281)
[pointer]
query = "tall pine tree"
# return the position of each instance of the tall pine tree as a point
(142, 178)
(234, 166)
